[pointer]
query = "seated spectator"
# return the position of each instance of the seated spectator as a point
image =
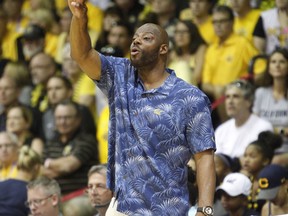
(224, 164)
(59, 89)
(234, 135)
(271, 100)
(31, 42)
(111, 15)
(227, 59)
(259, 154)
(245, 18)
(13, 191)
(234, 192)
(100, 196)
(8, 155)
(71, 154)
(9, 97)
(9, 94)
(273, 182)
(42, 67)
(19, 121)
(44, 197)
(188, 53)
(120, 35)
(271, 29)
(46, 19)
(20, 73)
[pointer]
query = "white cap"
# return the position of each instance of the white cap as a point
(235, 184)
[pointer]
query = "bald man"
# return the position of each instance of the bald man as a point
(157, 123)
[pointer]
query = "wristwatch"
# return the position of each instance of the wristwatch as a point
(206, 210)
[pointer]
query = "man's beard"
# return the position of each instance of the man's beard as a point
(146, 59)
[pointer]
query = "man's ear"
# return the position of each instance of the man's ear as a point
(163, 49)
(55, 200)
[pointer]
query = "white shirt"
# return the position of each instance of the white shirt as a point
(233, 140)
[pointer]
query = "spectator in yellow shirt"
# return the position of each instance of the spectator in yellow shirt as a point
(228, 58)
(245, 18)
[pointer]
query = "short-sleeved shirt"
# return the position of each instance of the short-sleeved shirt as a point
(229, 61)
(232, 140)
(152, 135)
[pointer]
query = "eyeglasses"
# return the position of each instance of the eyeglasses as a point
(221, 21)
(99, 187)
(37, 202)
(66, 118)
(7, 145)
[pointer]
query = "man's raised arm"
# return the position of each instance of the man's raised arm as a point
(81, 48)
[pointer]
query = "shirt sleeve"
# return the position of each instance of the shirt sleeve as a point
(85, 148)
(200, 131)
(259, 29)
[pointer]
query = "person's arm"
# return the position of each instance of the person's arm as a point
(199, 62)
(265, 209)
(206, 178)
(60, 166)
(81, 49)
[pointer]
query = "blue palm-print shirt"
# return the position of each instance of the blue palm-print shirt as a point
(152, 135)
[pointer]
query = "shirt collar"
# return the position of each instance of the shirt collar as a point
(164, 89)
(230, 40)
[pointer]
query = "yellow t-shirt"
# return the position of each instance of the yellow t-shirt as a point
(227, 62)
(245, 26)
(102, 134)
(206, 29)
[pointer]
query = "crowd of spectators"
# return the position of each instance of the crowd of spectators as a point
(49, 105)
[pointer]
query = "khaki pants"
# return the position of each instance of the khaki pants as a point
(112, 209)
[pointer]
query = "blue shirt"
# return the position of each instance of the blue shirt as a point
(152, 136)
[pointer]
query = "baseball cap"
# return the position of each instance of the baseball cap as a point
(33, 32)
(235, 184)
(270, 179)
